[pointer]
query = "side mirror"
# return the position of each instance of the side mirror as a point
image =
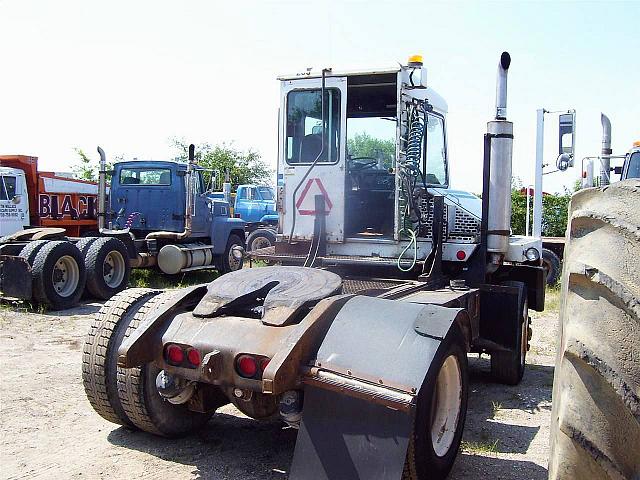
(617, 170)
(566, 133)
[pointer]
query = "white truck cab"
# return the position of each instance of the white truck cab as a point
(14, 201)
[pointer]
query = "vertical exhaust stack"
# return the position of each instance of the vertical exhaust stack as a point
(102, 190)
(605, 158)
(500, 133)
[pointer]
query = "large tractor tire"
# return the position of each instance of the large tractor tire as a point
(440, 415)
(507, 366)
(58, 275)
(100, 352)
(227, 262)
(261, 238)
(108, 270)
(595, 431)
(140, 399)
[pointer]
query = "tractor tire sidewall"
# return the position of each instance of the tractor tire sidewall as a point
(264, 234)
(222, 262)
(507, 367)
(95, 256)
(42, 272)
(422, 461)
(553, 265)
(595, 417)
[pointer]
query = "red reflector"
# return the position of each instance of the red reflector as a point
(175, 355)
(461, 255)
(264, 363)
(247, 366)
(193, 356)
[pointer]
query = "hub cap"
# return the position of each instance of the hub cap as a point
(234, 263)
(260, 242)
(113, 269)
(445, 406)
(65, 276)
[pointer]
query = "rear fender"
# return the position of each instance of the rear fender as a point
(138, 348)
(384, 343)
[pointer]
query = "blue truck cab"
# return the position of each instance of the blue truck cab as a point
(256, 204)
(148, 199)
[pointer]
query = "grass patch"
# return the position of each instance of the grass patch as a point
(150, 278)
(495, 409)
(480, 447)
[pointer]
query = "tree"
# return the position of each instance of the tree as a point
(242, 166)
(88, 168)
(364, 145)
(554, 211)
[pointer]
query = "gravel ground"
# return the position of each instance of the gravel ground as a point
(50, 431)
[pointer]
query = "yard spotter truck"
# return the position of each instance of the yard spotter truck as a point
(158, 216)
(360, 337)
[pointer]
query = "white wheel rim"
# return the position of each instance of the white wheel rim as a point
(260, 242)
(113, 269)
(65, 276)
(446, 405)
(234, 263)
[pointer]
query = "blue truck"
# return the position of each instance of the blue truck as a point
(256, 205)
(158, 215)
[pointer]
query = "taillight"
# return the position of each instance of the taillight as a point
(461, 254)
(174, 355)
(193, 356)
(250, 366)
(247, 366)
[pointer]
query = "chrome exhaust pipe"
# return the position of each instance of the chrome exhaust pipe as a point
(501, 86)
(102, 189)
(605, 160)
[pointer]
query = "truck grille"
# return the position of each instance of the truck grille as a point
(466, 227)
(426, 218)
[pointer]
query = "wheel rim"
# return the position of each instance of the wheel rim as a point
(65, 276)
(260, 242)
(234, 263)
(446, 405)
(113, 269)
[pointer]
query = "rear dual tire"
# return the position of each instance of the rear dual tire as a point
(129, 396)
(58, 272)
(107, 263)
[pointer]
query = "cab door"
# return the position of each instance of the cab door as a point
(301, 127)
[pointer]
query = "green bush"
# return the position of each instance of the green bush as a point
(554, 213)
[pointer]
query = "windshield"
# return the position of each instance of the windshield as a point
(436, 158)
(634, 165)
(145, 176)
(372, 139)
(7, 188)
(266, 193)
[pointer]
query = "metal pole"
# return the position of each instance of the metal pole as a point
(537, 193)
(527, 229)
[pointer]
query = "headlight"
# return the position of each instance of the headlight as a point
(532, 254)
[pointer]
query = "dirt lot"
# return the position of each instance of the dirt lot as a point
(50, 431)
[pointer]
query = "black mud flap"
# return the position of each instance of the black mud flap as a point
(343, 437)
(360, 395)
(15, 277)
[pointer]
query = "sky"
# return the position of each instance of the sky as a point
(130, 75)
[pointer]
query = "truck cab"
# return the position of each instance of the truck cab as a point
(255, 204)
(378, 159)
(631, 167)
(14, 201)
